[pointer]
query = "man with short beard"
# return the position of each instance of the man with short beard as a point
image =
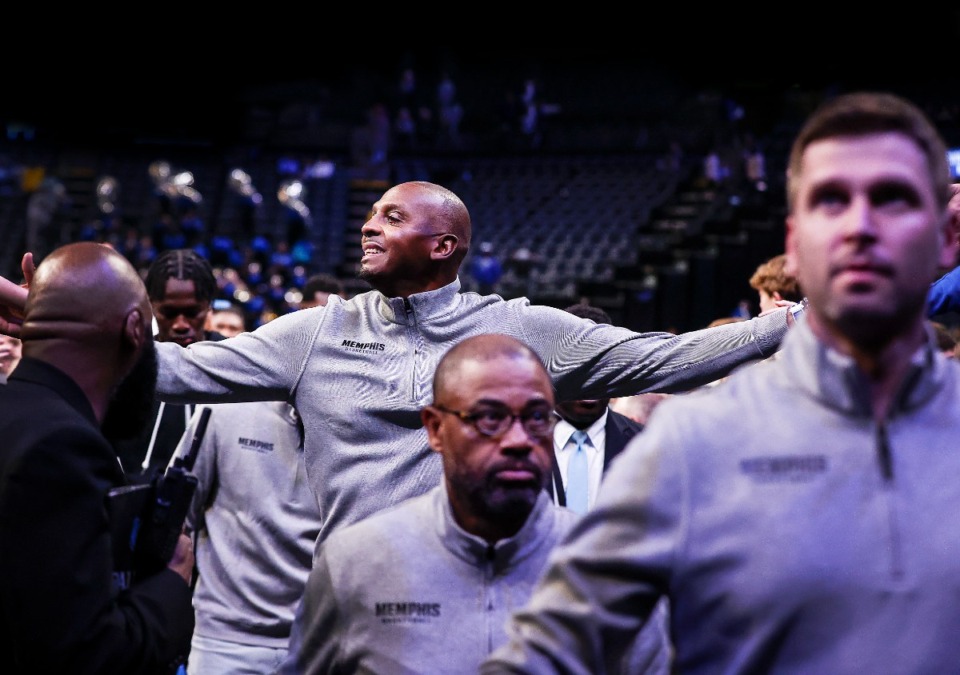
(427, 586)
(802, 516)
(61, 608)
(131, 404)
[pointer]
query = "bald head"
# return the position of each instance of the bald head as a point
(453, 211)
(494, 468)
(415, 239)
(82, 292)
(479, 349)
(87, 314)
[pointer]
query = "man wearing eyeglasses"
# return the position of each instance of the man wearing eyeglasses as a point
(428, 585)
(181, 287)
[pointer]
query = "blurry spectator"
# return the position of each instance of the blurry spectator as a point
(523, 260)
(281, 261)
(449, 113)
(370, 144)
(192, 224)
(318, 290)
(772, 282)
(714, 171)
(298, 221)
(944, 294)
(43, 232)
(755, 164)
(485, 268)
(10, 352)
(226, 318)
(129, 245)
(532, 110)
(404, 130)
(945, 340)
(639, 407)
(171, 233)
(530, 115)
(298, 275)
(409, 96)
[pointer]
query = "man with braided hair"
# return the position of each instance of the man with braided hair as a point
(181, 287)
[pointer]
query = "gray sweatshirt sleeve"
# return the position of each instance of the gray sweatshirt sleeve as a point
(259, 365)
(589, 360)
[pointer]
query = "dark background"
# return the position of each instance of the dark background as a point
(181, 74)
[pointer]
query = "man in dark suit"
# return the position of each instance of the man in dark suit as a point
(608, 432)
(88, 366)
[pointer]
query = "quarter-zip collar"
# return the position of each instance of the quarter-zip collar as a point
(839, 383)
(419, 305)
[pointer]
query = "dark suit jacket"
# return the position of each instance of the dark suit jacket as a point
(60, 611)
(619, 430)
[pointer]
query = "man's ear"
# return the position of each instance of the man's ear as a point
(134, 332)
(790, 245)
(446, 245)
(951, 234)
(431, 419)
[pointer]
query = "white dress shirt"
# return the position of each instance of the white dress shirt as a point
(564, 446)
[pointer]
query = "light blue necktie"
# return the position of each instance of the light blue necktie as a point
(577, 474)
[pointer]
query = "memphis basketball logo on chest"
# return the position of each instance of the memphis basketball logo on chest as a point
(362, 347)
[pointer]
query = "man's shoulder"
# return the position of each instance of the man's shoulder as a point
(32, 407)
(623, 423)
(563, 519)
(55, 440)
(392, 523)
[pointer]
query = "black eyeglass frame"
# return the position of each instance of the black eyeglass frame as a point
(471, 418)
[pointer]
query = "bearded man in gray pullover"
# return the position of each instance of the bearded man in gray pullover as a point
(427, 586)
(360, 370)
